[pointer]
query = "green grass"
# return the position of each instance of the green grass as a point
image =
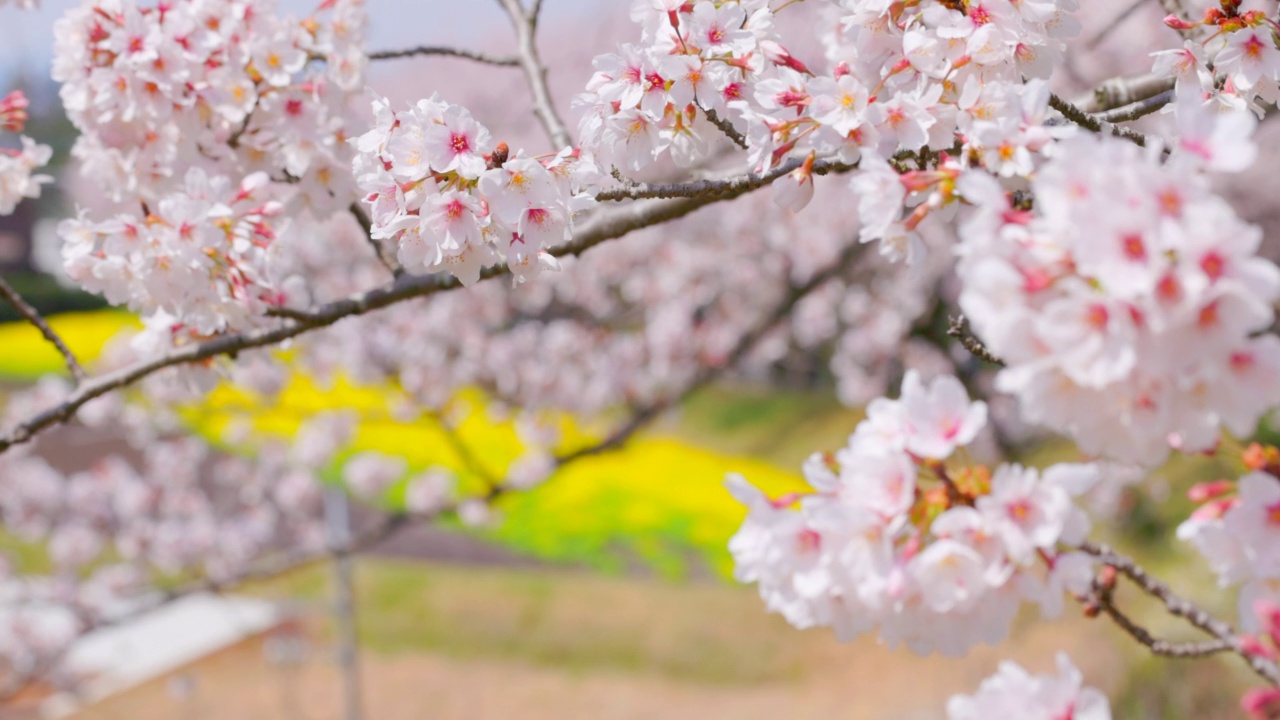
(565, 619)
(782, 428)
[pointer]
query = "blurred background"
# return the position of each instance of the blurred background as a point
(604, 593)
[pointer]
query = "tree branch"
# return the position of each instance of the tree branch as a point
(1185, 609)
(1094, 123)
(388, 259)
(1101, 599)
(724, 187)
(1120, 91)
(598, 229)
(536, 73)
(1135, 110)
(959, 329)
(439, 50)
(725, 127)
(33, 316)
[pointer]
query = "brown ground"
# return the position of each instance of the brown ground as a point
(858, 682)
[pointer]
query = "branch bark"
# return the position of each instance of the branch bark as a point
(526, 25)
(443, 51)
(725, 187)
(33, 316)
(596, 230)
(1095, 123)
(1178, 606)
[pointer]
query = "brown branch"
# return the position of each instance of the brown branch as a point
(1101, 599)
(959, 329)
(1093, 123)
(1135, 110)
(535, 73)
(442, 51)
(598, 229)
(33, 316)
(1120, 91)
(385, 256)
(725, 127)
(1185, 609)
(468, 458)
(723, 187)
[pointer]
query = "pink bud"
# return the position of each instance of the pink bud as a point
(1251, 645)
(1262, 703)
(1205, 491)
(1177, 23)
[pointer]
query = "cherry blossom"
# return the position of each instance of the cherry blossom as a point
(934, 557)
(1129, 325)
(1013, 692)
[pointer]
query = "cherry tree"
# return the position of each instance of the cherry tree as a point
(902, 193)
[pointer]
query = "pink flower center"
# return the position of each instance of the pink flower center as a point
(1253, 48)
(1097, 316)
(1213, 265)
(459, 143)
(539, 216)
(1019, 510)
(454, 209)
(1134, 248)
(808, 541)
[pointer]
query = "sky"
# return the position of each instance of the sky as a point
(26, 36)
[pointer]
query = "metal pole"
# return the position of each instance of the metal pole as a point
(338, 529)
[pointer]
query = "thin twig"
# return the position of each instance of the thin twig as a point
(1141, 108)
(536, 74)
(1093, 123)
(719, 187)
(959, 329)
(439, 50)
(387, 258)
(1101, 599)
(1185, 609)
(33, 316)
(468, 458)
(725, 127)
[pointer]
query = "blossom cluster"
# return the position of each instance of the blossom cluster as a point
(1015, 693)
(200, 260)
(1237, 529)
(451, 199)
(1126, 302)
(938, 558)
(1231, 53)
(180, 103)
(905, 77)
(233, 88)
(18, 179)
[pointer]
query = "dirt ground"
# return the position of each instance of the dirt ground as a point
(857, 682)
